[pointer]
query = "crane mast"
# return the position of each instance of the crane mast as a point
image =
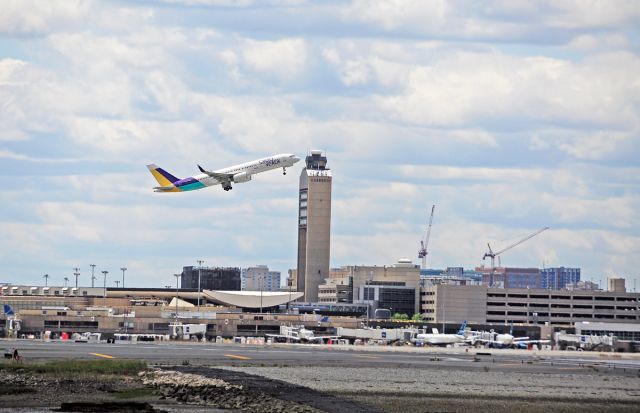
(424, 242)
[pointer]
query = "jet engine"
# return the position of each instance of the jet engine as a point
(241, 177)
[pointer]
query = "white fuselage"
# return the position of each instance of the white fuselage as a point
(248, 169)
(440, 339)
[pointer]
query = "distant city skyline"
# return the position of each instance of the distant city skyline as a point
(509, 116)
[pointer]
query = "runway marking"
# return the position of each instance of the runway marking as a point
(106, 356)
(233, 356)
(367, 357)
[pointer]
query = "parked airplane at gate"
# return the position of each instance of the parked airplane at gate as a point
(225, 177)
(441, 339)
(493, 339)
(299, 334)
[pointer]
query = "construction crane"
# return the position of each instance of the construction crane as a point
(424, 242)
(493, 255)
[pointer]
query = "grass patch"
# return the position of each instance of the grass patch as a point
(107, 367)
(134, 393)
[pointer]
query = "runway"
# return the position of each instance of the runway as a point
(328, 356)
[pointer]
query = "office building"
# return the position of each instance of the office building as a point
(314, 225)
(259, 278)
(617, 285)
(505, 277)
(583, 286)
(395, 287)
(336, 290)
(211, 278)
(482, 304)
(558, 278)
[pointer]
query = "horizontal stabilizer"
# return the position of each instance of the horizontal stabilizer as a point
(166, 189)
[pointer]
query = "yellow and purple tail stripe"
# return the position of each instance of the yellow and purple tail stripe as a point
(169, 183)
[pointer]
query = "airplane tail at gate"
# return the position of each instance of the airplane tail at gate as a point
(463, 326)
(163, 177)
(8, 310)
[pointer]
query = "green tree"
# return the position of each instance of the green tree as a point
(417, 317)
(398, 316)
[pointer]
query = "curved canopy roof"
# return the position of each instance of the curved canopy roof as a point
(251, 299)
(242, 299)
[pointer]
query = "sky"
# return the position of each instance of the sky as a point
(509, 116)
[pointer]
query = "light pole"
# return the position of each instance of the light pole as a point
(177, 278)
(261, 288)
(66, 280)
(123, 269)
(93, 277)
(104, 288)
(444, 292)
(46, 278)
(76, 273)
(199, 274)
(117, 283)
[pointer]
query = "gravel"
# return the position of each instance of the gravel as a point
(429, 381)
(412, 390)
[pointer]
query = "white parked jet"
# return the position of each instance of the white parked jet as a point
(225, 177)
(299, 334)
(441, 339)
(497, 340)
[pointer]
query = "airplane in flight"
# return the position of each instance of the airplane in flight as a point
(225, 177)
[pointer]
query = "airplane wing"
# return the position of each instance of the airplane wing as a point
(283, 336)
(520, 339)
(222, 178)
(532, 342)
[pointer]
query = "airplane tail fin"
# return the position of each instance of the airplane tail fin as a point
(8, 310)
(463, 326)
(163, 177)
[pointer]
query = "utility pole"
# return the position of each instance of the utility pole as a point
(261, 288)
(76, 273)
(104, 288)
(444, 292)
(199, 274)
(123, 269)
(177, 279)
(93, 277)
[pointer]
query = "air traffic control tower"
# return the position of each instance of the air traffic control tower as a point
(314, 225)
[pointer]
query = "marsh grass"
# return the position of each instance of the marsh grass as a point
(83, 367)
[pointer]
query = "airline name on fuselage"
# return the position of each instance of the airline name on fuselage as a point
(270, 161)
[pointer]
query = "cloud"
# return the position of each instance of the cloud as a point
(467, 87)
(33, 16)
(282, 58)
(509, 116)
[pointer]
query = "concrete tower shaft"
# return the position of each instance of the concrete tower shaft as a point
(314, 225)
